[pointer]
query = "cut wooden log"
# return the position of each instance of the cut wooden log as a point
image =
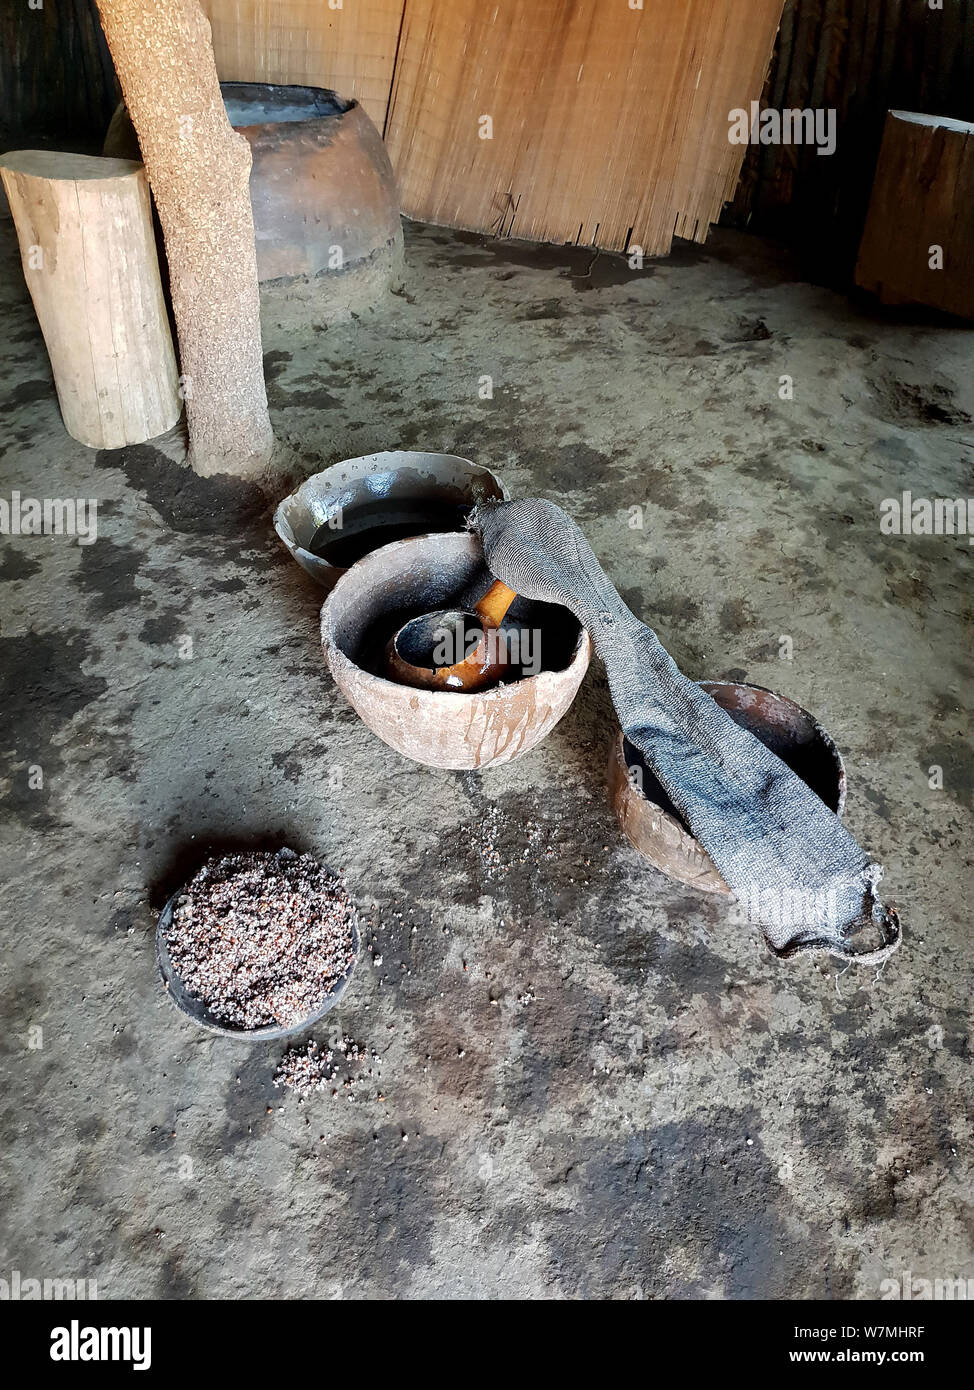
(918, 245)
(89, 258)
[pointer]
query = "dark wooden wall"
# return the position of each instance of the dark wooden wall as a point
(861, 57)
(57, 82)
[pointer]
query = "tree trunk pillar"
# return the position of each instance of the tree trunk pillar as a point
(199, 169)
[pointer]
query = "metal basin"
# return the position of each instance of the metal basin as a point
(444, 728)
(652, 823)
(195, 1009)
(354, 507)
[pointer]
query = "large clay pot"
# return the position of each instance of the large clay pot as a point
(321, 186)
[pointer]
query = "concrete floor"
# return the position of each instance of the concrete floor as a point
(593, 1082)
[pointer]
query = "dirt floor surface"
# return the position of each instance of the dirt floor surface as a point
(586, 1080)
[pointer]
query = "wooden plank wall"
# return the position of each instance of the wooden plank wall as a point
(859, 56)
(57, 83)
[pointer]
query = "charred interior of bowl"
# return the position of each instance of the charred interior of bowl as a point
(368, 523)
(547, 634)
(781, 725)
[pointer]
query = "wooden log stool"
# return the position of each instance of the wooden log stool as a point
(918, 245)
(89, 257)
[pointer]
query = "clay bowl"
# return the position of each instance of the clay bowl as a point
(354, 507)
(652, 823)
(444, 728)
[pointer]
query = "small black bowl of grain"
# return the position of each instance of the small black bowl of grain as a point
(258, 945)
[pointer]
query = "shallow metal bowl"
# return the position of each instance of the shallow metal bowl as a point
(348, 492)
(195, 1008)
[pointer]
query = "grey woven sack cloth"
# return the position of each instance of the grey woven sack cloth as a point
(784, 854)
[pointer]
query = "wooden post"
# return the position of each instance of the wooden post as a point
(918, 245)
(199, 169)
(89, 258)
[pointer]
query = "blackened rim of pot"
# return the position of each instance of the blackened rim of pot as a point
(274, 102)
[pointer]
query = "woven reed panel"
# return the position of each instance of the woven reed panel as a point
(609, 124)
(351, 50)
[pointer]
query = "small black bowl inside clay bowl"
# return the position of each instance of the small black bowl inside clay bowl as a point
(195, 1008)
(654, 826)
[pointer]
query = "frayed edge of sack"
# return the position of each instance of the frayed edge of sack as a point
(875, 914)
